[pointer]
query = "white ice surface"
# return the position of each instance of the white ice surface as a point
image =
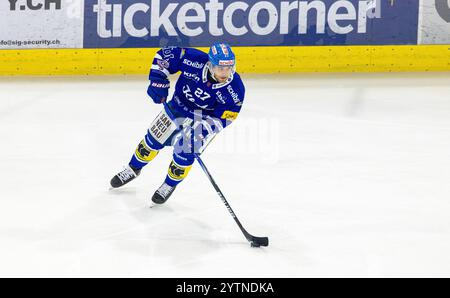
(349, 175)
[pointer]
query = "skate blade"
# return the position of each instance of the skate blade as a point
(153, 205)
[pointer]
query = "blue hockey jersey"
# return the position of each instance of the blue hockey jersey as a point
(194, 92)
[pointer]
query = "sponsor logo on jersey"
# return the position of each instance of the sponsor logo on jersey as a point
(193, 64)
(167, 52)
(229, 115)
(220, 97)
(233, 94)
(191, 76)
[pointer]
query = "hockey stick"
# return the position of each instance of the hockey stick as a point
(254, 241)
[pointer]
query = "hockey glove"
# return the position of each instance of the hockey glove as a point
(205, 131)
(158, 89)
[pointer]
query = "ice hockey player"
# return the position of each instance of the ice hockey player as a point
(208, 96)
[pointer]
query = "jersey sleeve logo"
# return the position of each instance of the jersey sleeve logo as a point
(229, 115)
(163, 64)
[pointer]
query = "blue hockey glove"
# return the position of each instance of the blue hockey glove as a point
(158, 89)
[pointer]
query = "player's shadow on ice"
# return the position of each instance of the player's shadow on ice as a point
(167, 228)
(173, 231)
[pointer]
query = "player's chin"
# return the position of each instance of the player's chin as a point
(222, 80)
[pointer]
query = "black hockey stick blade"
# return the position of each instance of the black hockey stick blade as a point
(258, 241)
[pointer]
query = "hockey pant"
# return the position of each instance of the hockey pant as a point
(186, 136)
